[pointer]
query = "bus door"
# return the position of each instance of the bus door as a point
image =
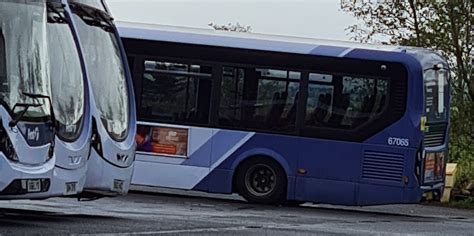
(173, 144)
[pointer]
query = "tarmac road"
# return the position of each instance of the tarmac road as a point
(165, 213)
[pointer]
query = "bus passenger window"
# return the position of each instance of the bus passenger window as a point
(319, 104)
(367, 99)
(176, 93)
(277, 98)
(230, 107)
(323, 103)
(264, 100)
(344, 102)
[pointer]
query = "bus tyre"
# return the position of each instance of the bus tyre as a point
(261, 180)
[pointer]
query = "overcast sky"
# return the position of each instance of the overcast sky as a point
(321, 19)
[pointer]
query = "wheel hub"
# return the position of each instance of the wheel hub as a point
(260, 180)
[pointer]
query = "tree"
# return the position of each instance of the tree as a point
(444, 26)
(231, 27)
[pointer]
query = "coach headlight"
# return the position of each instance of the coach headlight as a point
(96, 142)
(51, 151)
(6, 146)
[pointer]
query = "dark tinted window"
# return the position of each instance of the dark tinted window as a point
(67, 86)
(436, 95)
(345, 105)
(93, 3)
(176, 92)
(105, 68)
(23, 26)
(319, 104)
(232, 86)
(238, 104)
(262, 99)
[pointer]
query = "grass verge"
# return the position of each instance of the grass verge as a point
(467, 203)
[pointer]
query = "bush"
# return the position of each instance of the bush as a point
(462, 140)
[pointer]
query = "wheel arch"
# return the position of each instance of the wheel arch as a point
(262, 152)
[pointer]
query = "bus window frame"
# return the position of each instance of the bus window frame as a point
(139, 90)
(258, 77)
(340, 76)
(218, 57)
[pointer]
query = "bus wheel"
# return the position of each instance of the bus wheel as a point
(261, 180)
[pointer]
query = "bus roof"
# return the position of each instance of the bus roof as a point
(253, 41)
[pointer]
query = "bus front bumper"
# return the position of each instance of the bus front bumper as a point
(67, 182)
(19, 181)
(433, 191)
(106, 179)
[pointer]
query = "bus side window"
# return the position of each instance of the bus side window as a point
(367, 99)
(176, 92)
(277, 97)
(350, 106)
(319, 104)
(232, 87)
(260, 99)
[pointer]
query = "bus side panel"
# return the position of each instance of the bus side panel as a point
(325, 191)
(331, 160)
(387, 176)
(389, 166)
(371, 194)
(331, 170)
(404, 133)
(218, 181)
(283, 149)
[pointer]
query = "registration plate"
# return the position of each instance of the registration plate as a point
(71, 188)
(118, 185)
(33, 185)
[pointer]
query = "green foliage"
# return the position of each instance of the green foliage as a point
(467, 203)
(462, 140)
(444, 26)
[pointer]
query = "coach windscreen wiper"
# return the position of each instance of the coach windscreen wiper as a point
(56, 13)
(93, 16)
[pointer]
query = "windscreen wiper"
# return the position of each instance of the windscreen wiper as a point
(94, 17)
(48, 98)
(27, 106)
(56, 13)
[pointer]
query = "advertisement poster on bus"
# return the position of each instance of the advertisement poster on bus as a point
(159, 140)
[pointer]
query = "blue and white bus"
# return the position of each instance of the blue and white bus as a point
(70, 98)
(287, 119)
(110, 165)
(43, 111)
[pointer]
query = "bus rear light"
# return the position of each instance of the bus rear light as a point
(419, 166)
(434, 166)
(406, 180)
